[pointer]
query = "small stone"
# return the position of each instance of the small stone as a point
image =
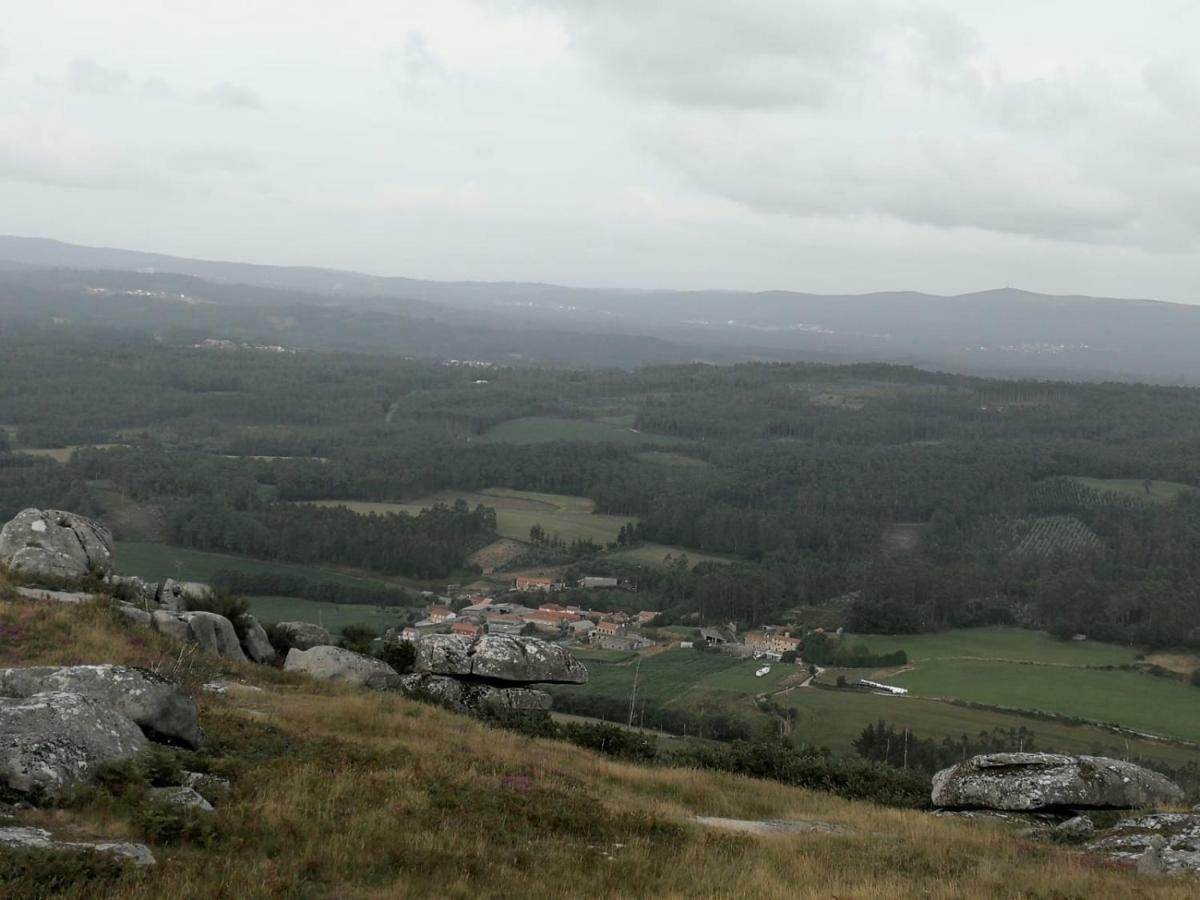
(187, 797)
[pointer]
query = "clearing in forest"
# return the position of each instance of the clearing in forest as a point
(571, 518)
(1138, 489)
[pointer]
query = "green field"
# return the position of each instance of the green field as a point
(516, 512)
(1160, 491)
(333, 616)
(996, 643)
(835, 718)
(667, 458)
(1130, 699)
(669, 675)
(544, 430)
(155, 562)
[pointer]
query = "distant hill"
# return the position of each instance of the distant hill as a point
(1006, 331)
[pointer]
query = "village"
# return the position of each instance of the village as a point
(512, 612)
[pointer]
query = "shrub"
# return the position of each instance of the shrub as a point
(358, 637)
(400, 655)
(46, 873)
(162, 823)
(223, 604)
(1196, 677)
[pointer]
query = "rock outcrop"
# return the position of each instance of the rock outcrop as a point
(1038, 781)
(26, 838)
(255, 643)
(52, 741)
(187, 797)
(498, 659)
(57, 543)
(213, 633)
(1164, 843)
(468, 696)
(176, 595)
(335, 664)
(305, 635)
(157, 705)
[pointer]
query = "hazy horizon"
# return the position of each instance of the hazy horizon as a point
(821, 147)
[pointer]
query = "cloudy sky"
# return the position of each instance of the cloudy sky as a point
(832, 146)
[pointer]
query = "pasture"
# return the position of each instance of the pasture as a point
(1015, 644)
(545, 430)
(833, 719)
(333, 616)
(667, 676)
(154, 562)
(1159, 491)
(516, 512)
(1130, 699)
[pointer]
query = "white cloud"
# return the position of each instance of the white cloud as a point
(233, 95)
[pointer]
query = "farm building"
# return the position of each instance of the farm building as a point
(440, 614)
(625, 642)
(771, 642)
(535, 584)
(609, 628)
(646, 616)
(467, 629)
(717, 637)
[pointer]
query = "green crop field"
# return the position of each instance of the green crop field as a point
(667, 458)
(333, 616)
(669, 675)
(543, 430)
(1131, 699)
(834, 719)
(158, 561)
(1160, 491)
(516, 512)
(996, 643)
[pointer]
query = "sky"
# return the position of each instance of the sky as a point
(839, 146)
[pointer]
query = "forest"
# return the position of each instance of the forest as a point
(884, 498)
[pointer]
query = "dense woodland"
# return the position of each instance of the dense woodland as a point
(796, 473)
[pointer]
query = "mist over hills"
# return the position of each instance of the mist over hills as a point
(1005, 331)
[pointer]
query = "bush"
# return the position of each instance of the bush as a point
(358, 637)
(400, 655)
(46, 873)
(223, 604)
(1196, 678)
(162, 823)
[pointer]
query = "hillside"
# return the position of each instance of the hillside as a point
(342, 793)
(1003, 331)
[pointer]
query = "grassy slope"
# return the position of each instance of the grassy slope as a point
(341, 793)
(157, 561)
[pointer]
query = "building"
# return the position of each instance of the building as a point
(466, 629)
(595, 581)
(535, 584)
(624, 642)
(504, 623)
(581, 629)
(771, 642)
(610, 628)
(717, 637)
(549, 619)
(646, 616)
(440, 615)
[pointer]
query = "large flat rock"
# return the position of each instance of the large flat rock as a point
(1032, 781)
(57, 543)
(160, 707)
(336, 664)
(53, 741)
(498, 658)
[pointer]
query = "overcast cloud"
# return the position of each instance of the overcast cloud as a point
(824, 145)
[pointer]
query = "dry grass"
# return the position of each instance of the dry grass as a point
(345, 794)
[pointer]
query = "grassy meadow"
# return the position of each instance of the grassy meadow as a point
(339, 792)
(516, 512)
(1016, 644)
(333, 616)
